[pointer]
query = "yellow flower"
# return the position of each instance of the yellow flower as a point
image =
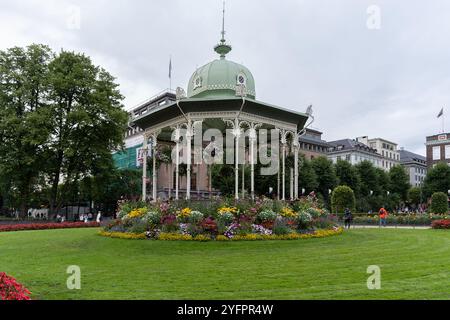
(123, 235)
(224, 210)
(184, 213)
(288, 213)
(136, 213)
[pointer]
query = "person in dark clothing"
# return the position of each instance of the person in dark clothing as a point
(348, 218)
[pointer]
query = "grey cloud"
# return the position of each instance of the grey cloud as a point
(385, 83)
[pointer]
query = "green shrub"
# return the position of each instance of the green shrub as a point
(343, 197)
(226, 218)
(196, 217)
(280, 227)
(304, 220)
(138, 226)
(439, 203)
(267, 216)
(152, 218)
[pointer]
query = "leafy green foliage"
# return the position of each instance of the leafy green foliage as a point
(437, 179)
(343, 197)
(326, 175)
(399, 182)
(60, 117)
(347, 175)
(439, 203)
(415, 196)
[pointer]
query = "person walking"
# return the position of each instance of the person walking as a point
(99, 217)
(383, 214)
(348, 218)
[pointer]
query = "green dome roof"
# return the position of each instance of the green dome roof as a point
(219, 78)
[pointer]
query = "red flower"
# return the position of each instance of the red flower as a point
(45, 226)
(441, 224)
(10, 289)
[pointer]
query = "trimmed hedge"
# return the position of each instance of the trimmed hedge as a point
(46, 226)
(441, 224)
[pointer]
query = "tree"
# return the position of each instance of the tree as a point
(399, 182)
(368, 175)
(87, 120)
(439, 203)
(24, 117)
(383, 182)
(415, 196)
(343, 197)
(437, 179)
(60, 116)
(347, 175)
(223, 178)
(307, 176)
(326, 176)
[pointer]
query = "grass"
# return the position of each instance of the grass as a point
(414, 265)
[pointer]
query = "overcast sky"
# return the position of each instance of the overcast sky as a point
(388, 82)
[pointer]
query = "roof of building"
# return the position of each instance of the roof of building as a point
(407, 156)
(308, 139)
(350, 145)
(381, 139)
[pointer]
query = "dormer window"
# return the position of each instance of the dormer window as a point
(197, 82)
(241, 79)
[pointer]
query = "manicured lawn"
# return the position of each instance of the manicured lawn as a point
(415, 264)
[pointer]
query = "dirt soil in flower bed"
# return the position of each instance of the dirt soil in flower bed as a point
(46, 226)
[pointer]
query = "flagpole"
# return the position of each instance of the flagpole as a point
(170, 74)
(443, 121)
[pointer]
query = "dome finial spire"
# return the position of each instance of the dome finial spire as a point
(223, 23)
(222, 48)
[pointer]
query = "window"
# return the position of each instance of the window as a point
(447, 151)
(437, 153)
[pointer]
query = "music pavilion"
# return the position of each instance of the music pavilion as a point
(220, 95)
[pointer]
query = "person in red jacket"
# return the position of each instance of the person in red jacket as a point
(383, 214)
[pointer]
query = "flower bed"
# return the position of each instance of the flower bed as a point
(202, 238)
(263, 219)
(441, 224)
(45, 226)
(10, 289)
(398, 219)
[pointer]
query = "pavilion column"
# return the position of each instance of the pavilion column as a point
(177, 162)
(283, 173)
(252, 138)
(296, 170)
(144, 168)
(188, 159)
(243, 180)
(252, 162)
(291, 184)
(236, 165)
(155, 182)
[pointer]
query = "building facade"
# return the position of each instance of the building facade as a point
(131, 157)
(387, 149)
(415, 165)
(438, 149)
(312, 145)
(354, 152)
